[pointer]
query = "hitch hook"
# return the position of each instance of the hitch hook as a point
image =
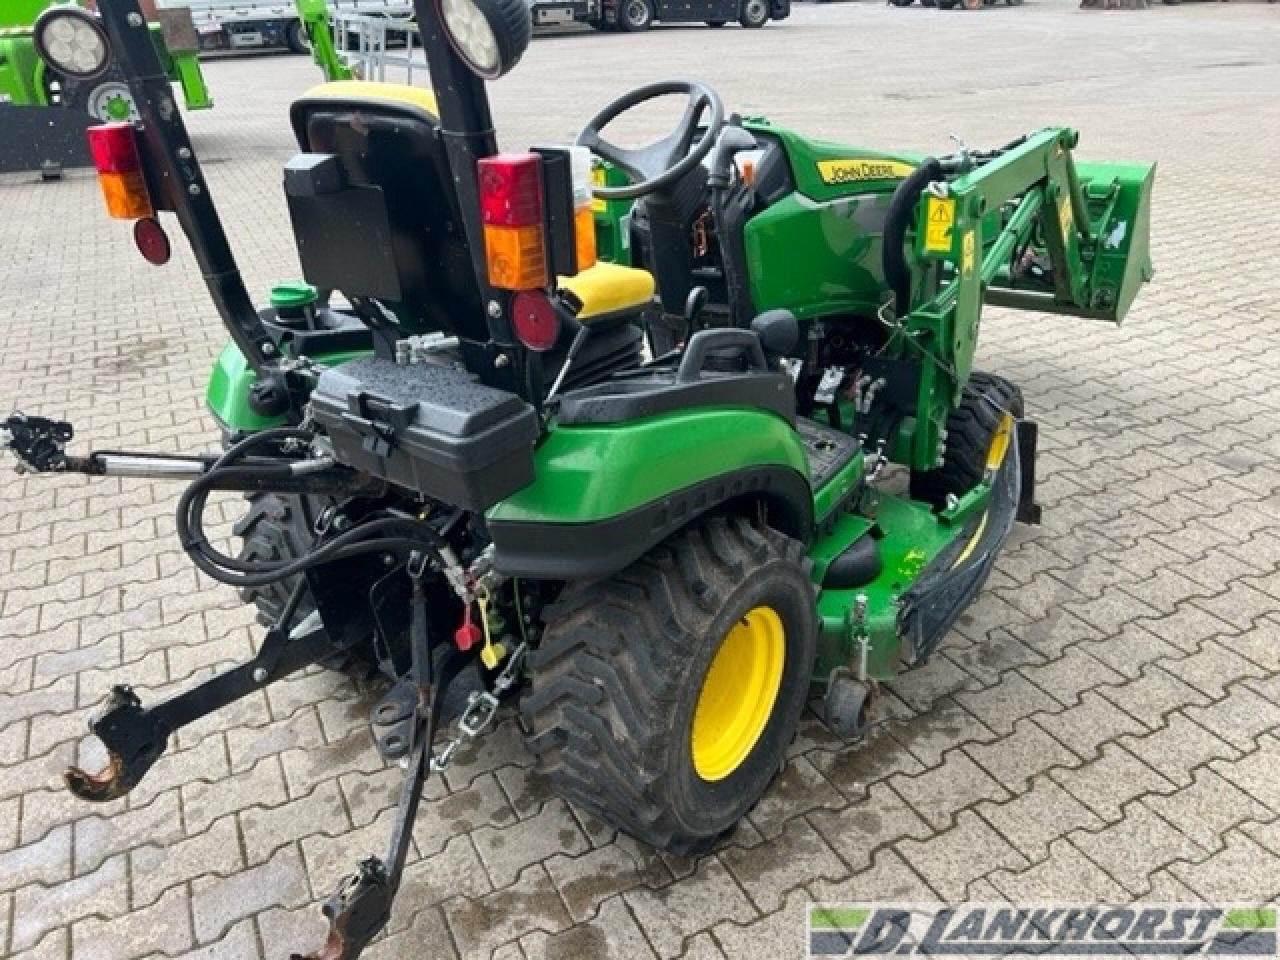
(134, 739)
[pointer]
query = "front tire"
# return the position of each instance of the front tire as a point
(663, 699)
(970, 430)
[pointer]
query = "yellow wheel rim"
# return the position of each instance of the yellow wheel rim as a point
(738, 693)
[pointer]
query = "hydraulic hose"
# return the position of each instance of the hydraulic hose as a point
(377, 535)
(897, 272)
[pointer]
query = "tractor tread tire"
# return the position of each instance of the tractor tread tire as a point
(607, 679)
(278, 527)
(275, 528)
(970, 429)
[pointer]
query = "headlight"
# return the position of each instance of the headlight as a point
(489, 35)
(72, 41)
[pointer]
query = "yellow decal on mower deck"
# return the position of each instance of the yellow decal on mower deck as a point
(836, 172)
(940, 217)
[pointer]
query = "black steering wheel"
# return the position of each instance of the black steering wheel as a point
(662, 163)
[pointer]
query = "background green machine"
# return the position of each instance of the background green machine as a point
(314, 15)
(26, 81)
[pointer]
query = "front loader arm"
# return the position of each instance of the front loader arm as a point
(1025, 229)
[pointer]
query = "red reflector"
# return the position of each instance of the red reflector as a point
(534, 319)
(114, 148)
(511, 189)
(152, 241)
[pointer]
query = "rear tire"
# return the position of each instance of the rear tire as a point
(970, 429)
(755, 14)
(620, 681)
(278, 527)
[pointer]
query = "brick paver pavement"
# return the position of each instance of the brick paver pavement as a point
(1104, 723)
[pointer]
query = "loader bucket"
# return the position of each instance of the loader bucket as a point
(1119, 200)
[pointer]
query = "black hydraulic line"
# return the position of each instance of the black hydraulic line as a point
(173, 172)
(897, 272)
(400, 533)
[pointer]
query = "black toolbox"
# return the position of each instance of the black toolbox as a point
(428, 427)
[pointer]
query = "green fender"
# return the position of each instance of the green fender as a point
(231, 379)
(604, 495)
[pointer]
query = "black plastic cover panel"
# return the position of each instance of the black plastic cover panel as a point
(428, 427)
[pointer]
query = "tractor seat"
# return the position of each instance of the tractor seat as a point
(390, 227)
(608, 290)
(373, 206)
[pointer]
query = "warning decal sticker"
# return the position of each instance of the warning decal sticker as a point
(941, 217)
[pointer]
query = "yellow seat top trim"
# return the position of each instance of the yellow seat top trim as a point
(609, 288)
(368, 90)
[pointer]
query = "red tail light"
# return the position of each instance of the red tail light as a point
(114, 148)
(515, 242)
(534, 319)
(511, 190)
(115, 154)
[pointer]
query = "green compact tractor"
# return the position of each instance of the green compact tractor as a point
(28, 80)
(659, 503)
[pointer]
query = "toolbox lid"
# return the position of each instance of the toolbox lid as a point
(428, 427)
(441, 398)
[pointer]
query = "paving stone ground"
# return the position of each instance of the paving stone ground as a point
(1104, 723)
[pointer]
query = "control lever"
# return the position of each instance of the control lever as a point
(694, 304)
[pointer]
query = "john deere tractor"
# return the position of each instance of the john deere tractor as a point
(658, 503)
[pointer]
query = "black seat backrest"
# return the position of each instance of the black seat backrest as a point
(394, 230)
